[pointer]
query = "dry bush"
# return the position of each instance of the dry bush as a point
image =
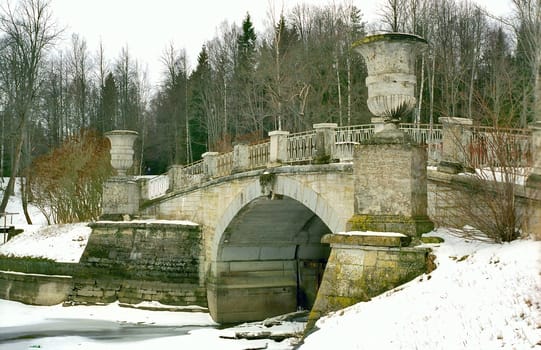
(66, 184)
(496, 160)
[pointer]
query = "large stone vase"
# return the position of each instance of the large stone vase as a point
(390, 61)
(121, 149)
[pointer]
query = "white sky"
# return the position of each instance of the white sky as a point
(149, 26)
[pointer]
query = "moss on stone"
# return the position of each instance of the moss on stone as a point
(267, 179)
(432, 240)
(388, 37)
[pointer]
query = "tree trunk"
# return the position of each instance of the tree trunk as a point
(16, 162)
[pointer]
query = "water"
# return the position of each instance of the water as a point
(31, 336)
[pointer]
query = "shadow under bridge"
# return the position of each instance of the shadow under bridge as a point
(269, 261)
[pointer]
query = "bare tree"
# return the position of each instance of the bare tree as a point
(28, 32)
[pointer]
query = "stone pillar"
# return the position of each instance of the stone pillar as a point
(455, 139)
(176, 177)
(121, 193)
(390, 184)
(278, 147)
(533, 183)
(241, 158)
(325, 139)
(211, 163)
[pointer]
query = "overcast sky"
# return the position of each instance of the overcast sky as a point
(147, 27)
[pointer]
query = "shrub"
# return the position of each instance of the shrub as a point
(66, 184)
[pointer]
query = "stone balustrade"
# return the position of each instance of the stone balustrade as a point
(450, 143)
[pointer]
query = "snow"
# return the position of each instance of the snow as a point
(481, 296)
(518, 176)
(62, 243)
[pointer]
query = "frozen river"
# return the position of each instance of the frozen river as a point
(115, 327)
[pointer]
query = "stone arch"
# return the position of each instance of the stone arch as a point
(266, 256)
(283, 185)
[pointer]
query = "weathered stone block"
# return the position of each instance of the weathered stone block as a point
(357, 273)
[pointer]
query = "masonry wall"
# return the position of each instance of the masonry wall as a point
(132, 262)
(356, 273)
(34, 289)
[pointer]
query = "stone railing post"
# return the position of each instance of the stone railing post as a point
(241, 158)
(454, 137)
(211, 163)
(121, 193)
(325, 139)
(278, 147)
(176, 177)
(533, 183)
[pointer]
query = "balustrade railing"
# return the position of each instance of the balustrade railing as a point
(224, 164)
(355, 133)
(195, 168)
(489, 146)
(423, 133)
(301, 147)
(157, 186)
(484, 146)
(259, 155)
(430, 135)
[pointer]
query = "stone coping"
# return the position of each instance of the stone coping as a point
(375, 239)
(143, 223)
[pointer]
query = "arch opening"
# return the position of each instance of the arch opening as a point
(269, 261)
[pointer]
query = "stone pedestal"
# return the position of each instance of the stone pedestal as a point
(362, 266)
(390, 184)
(120, 199)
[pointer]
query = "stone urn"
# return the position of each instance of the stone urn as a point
(390, 61)
(121, 149)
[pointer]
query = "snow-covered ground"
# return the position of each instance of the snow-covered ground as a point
(481, 296)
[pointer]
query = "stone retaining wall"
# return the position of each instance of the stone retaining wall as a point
(34, 289)
(136, 261)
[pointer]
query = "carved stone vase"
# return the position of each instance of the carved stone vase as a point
(121, 149)
(390, 61)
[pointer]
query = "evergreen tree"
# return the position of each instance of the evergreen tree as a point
(109, 105)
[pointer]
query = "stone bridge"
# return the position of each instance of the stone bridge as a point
(263, 209)
(262, 233)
